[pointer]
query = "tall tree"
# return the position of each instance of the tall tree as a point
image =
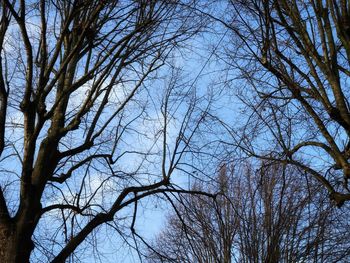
(259, 215)
(293, 63)
(74, 144)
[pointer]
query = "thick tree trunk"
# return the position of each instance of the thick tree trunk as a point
(14, 248)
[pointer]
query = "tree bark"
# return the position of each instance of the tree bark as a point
(14, 247)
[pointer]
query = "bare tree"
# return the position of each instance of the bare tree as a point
(79, 140)
(293, 64)
(201, 228)
(258, 216)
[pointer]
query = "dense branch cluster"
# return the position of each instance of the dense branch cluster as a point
(293, 59)
(262, 215)
(104, 104)
(75, 81)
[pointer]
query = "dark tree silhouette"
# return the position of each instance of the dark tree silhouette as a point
(291, 60)
(77, 141)
(259, 215)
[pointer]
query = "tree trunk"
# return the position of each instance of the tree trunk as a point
(14, 248)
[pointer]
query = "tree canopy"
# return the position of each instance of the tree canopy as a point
(271, 214)
(291, 62)
(81, 137)
(96, 114)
